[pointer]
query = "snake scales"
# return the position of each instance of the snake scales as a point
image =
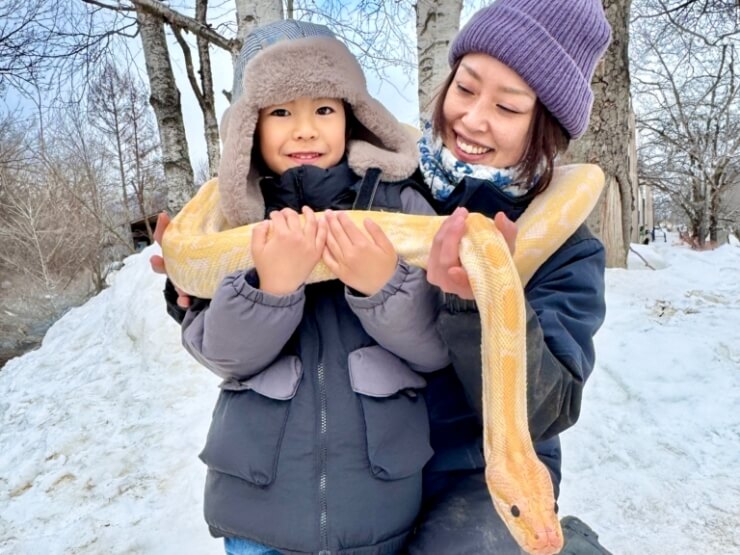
(199, 251)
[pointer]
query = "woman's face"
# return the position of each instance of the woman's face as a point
(487, 112)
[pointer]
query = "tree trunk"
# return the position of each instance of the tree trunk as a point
(437, 22)
(203, 90)
(208, 106)
(251, 13)
(610, 141)
(714, 209)
(165, 100)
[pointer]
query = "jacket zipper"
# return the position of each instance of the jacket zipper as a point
(299, 186)
(324, 525)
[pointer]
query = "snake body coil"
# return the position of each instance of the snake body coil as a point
(199, 252)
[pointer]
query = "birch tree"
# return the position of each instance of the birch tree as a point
(165, 99)
(610, 140)
(687, 88)
(437, 23)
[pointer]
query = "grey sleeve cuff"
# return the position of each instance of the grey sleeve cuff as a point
(401, 317)
(244, 329)
(246, 285)
(357, 301)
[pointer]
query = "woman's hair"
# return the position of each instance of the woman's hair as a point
(545, 140)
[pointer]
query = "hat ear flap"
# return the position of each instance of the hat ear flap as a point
(385, 144)
(238, 178)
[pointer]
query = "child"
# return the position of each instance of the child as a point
(318, 437)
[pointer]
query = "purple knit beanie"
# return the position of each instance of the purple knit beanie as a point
(553, 45)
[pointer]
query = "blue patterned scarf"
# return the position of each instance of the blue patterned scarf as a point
(442, 171)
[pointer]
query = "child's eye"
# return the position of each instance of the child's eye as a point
(280, 112)
(325, 110)
(507, 110)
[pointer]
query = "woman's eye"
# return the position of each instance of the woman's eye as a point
(507, 110)
(463, 89)
(325, 110)
(280, 112)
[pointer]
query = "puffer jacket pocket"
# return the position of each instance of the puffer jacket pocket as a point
(396, 419)
(249, 422)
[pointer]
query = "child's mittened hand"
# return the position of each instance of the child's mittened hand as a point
(285, 251)
(363, 262)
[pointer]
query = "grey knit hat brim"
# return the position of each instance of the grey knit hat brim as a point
(317, 67)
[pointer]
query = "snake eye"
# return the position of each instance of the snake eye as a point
(556, 508)
(515, 510)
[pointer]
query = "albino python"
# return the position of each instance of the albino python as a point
(199, 252)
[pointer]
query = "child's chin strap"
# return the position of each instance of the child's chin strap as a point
(368, 188)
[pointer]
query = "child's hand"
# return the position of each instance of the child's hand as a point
(285, 252)
(360, 262)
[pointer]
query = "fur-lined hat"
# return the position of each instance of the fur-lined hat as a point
(286, 60)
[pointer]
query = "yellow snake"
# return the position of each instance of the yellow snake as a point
(199, 252)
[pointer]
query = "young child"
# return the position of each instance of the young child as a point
(318, 437)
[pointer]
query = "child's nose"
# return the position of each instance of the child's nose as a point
(305, 129)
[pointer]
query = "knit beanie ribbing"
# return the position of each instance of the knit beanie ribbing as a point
(553, 45)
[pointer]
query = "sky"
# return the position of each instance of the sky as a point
(100, 428)
(394, 89)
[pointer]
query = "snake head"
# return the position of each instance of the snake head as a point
(525, 502)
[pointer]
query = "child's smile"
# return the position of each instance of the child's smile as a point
(305, 157)
(303, 131)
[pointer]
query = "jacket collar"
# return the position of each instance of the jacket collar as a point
(478, 195)
(310, 186)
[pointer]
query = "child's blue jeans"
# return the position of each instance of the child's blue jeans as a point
(240, 546)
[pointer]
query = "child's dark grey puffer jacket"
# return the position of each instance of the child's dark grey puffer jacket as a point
(319, 436)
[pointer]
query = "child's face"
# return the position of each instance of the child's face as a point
(487, 112)
(303, 131)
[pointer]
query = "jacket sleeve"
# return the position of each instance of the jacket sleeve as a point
(565, 307)
(170, 298)
(243, 329)
(401, 318)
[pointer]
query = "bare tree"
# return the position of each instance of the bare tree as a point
(203, 90)
(251, 13)
(437, 23)
(687, 89)
(36, 222)
(118, 106)
(107, 108)
(165, 99)
(54, 45)
(610, 140)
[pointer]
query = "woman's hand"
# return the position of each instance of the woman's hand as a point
(286, 251)
(444, 269)
(363, 262)
(157, 262)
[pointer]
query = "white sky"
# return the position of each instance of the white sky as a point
(100, 428)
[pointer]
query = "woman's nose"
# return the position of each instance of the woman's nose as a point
(475, 117)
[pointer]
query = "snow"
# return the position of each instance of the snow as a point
(100, 428)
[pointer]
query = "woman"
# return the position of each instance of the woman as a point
(518, 92)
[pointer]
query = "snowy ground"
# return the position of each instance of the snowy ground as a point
(100, 428)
